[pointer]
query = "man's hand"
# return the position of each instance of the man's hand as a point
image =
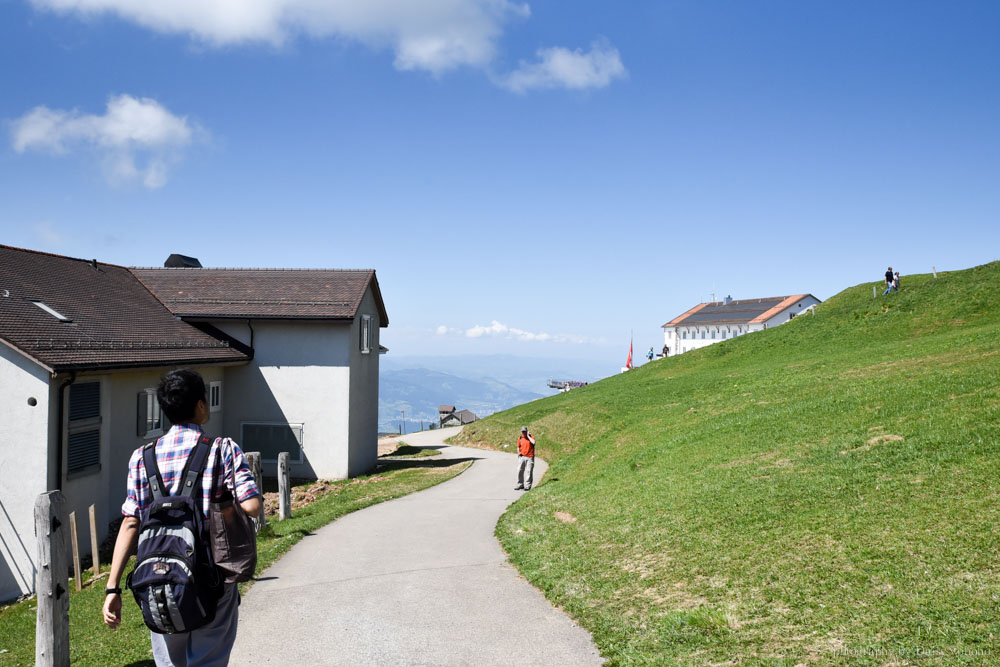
(112, 610)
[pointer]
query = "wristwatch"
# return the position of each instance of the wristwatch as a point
(112, 591)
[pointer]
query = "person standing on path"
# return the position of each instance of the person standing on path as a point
(650, 354)
(525, 460)
(183, 400)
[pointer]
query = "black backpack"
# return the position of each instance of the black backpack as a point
(174, 580)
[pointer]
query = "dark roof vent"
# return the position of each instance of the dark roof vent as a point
(176, 261)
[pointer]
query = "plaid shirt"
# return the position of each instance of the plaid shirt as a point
(172, 452)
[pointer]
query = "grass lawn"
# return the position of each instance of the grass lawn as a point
(824, 492)
(405, 451)
(91, 643)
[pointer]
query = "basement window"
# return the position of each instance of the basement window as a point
(272, 438)
(52, 311)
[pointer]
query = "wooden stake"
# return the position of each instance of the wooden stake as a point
(284, 489)
(52, 617)
(934, 270)
(77, 575)
(95, 553)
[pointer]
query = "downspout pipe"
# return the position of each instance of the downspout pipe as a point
(60, 439)
(250, 326)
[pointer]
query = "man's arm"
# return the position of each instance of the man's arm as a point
(252, 506)
(128, 538)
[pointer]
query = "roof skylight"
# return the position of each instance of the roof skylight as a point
(51, 311)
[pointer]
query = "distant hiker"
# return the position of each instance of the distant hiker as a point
(525, 460)
(666, 351)
(895, 282)
(183, 400)
(888, 281)
(650, 355)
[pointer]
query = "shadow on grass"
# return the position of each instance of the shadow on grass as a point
(388, 465)
(141, 663)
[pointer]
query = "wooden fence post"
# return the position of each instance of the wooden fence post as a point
(95, 553)
(52, 620)
(253, 458)
(75, 551)
(284, 489)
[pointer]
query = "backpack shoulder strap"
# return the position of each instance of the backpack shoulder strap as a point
(153, 471)
(195, 467)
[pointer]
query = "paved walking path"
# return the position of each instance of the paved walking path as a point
(416, 581)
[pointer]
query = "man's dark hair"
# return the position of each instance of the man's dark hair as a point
(179, 393)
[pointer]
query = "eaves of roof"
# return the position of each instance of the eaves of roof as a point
(681, 317)
(768, 314)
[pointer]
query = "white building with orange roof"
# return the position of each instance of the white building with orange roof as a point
(717, 321)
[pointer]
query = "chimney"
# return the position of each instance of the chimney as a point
(176, 261)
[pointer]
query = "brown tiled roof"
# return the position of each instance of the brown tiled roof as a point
(777, 308)
(742, 311)
(262, 293)
(466, 416)
(446, 408)
(116, 322)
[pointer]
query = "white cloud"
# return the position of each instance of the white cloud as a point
(49, 234)
(499, 330)
(558, 67)
(430, 35)
(137, 139)
(433, 35)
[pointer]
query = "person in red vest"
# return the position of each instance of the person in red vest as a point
(525, 460)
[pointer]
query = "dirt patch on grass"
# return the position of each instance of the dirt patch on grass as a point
(672, 597)
(565, 517)
(755, 459)
(873, 442)
(305, 495)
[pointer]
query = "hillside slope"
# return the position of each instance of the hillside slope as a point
(825, 491)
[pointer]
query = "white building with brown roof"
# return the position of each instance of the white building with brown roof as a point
(713, 322)
(290, 360)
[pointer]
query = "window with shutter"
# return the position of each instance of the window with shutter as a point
(83, 441)
(366, 334)
(150, 421)
(215, 396)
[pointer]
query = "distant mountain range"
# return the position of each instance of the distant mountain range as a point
(483, 384)
(418, 392)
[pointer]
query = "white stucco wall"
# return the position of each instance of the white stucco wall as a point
(24, 442)
(300, 375)
(363, 445)
(796, 308)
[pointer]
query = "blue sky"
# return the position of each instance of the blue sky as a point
(571, 171)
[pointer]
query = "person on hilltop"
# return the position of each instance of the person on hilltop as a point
(888, 281)
(183, 400)
(895, 282)
(525, 460)
(666, 351)
(650, 354)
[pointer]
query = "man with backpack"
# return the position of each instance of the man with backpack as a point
(191, 612)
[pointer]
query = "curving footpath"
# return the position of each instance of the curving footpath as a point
(416, 581)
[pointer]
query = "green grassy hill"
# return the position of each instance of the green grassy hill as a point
(826, 491)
